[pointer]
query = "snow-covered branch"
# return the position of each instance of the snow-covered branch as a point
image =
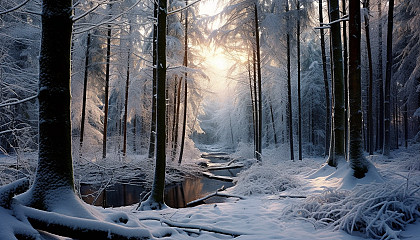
(17, 101)
(87, 12)
(183, 8)
(15, 8)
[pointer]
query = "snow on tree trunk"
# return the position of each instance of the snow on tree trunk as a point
(387, 105)
(356, 158)
(156, 198)
(338, 114)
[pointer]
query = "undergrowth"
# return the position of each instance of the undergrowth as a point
(379, 211)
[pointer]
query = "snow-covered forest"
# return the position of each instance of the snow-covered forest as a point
(209, 119)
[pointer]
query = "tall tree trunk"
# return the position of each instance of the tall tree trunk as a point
(289, 92)
(156, 198)
(85, 81)
(126, 105)
(272, 122)
(54, 176)
(152, 138)
(356, 158)
(370, 88)
(184, 123)
(326, 87)
(298, 66)
(406, 125)
(346, 79)
(252, 102)
(380, 82)
(257, 116)
(387, 105)
(339, 118)
(108, 56)
(257, 42)
(174, 120)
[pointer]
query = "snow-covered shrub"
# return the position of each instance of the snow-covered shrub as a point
(376, 210)
(264, 179)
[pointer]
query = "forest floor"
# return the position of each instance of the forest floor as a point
(272, 206)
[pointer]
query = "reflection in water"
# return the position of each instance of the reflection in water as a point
(176, 196)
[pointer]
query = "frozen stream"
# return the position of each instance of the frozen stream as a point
(176, 195)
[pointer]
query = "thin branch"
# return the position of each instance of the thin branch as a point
(344, 18)
(15, 8)
(18, 101)
(108, 21)
(183, 8)
(87, 12)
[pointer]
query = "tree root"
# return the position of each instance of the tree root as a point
(7, 192)
(80, 228)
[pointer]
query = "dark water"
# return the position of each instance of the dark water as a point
(176, 195)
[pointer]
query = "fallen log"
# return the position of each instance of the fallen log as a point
(201, 200)
(80, 228)
(221, 178)
(196, 226)
(8, 191)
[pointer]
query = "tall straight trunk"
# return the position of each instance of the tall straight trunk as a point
(346, 83)
(257, 42)
(175, 119)
(135, 134)
(298, 66)
(380, 83)
(252, 102)
(387, 105)
(326, 87)
(54, 176)
(152, 138)
(356, 158)
(339, 118)
(156, 198)
(396, 122)
(184, 123)
(406, 125)
(85, 81)
(289, 92)
(257, 116)
(272, 122)
(370, 88)
(127, 83)
(108, 56)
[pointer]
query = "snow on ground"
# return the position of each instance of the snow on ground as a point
(262, 214)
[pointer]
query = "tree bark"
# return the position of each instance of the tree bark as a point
(338, 116)
(108, 56)
(298, 66)
(127, 83)
(152, 138)
(370, 88)
(387, 105)
(85, 81)
(156, 198)
(289, 92)
(356, 158)
(346, 80)
(54, 173)
(257, 42)
(184, 123)
(380, 82)
(257, 118)
(326, 85)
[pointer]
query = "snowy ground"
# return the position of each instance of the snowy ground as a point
(263, 214)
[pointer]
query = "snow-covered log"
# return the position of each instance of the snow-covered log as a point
(7, 192)
(201, 200)
(195, 226)
(80, 228)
